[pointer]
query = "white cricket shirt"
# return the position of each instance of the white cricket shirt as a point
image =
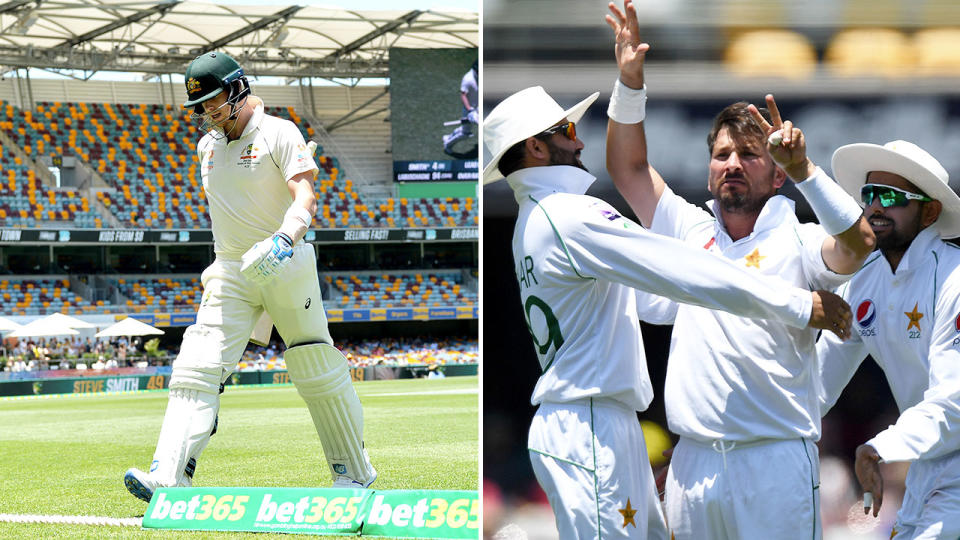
(245, 180)
(468, 85)
(910, 323)
(739, 379)
(578, 262)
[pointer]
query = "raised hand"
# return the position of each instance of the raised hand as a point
(630, 51)
(785, 142)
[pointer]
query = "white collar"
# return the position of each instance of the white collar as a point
(775, 212)
(539, 182)
(918, 250)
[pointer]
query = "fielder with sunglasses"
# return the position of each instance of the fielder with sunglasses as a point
(741, 394)
(907, 317)
(587, 275)
(257, 175)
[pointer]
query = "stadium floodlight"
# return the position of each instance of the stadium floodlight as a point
(173, 50)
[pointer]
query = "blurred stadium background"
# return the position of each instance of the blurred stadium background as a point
(844, 71)
(103, 216)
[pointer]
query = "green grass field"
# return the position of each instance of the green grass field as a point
(67, 455)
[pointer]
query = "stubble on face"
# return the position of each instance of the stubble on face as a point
(741, 190)
(894, 227)
(562, 156)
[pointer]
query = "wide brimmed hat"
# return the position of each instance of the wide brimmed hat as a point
(852, 163)
(522, 115)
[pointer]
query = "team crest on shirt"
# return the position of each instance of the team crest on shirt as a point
(866, 315)
(754, 258)
(248, 156)
(914, 322)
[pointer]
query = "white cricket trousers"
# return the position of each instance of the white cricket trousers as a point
(931, 502)
(766, 490)
(231, 305)
(591, 460)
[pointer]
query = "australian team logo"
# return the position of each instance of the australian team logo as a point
(248, 156)
(193, 86)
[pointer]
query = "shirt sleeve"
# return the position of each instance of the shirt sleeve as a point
(839, 360)
(675, 217)
(931, 428)
(603, 244)
(291, 152)
(655, 309)
(815, 269)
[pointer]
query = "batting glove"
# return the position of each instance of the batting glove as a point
(262, 263)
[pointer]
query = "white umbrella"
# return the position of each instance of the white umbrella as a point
(68, 321)
(7, 324)
(43, 328)
(129, 327)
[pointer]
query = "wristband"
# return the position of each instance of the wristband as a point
(296, 222)
(836, 210)
(627, 105)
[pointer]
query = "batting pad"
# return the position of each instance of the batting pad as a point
(319, 371)
(186, 429)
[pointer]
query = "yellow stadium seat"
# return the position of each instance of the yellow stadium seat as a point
(771, 53)
(937, 51)
(879, 52)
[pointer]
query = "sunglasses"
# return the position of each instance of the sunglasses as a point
(889, 196)
(569, 130)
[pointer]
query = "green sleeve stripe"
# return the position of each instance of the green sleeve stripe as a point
(933, 308)
(560, 239)
(551, 456)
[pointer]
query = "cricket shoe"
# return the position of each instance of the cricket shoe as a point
(344, 481)
(341, 480)
(142, 486)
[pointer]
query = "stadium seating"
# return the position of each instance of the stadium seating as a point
(440, 288)
(771, 53)
(146, 154)
(937, 51)
(876, 52)
(24, 200)
(44, 296)
(163, 294)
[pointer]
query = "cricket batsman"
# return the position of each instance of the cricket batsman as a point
(258, 176)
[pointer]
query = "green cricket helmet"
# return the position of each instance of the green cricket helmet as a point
(210, 74)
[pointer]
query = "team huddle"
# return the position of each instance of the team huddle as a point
(767, 344)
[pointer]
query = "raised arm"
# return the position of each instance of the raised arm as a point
(603, 243)
(851, 238)
(638, 182)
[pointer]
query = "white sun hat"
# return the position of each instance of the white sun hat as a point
(852, 163)
(522, 115)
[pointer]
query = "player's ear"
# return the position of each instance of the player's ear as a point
(779, 177)
(929, 212)
(536, 150)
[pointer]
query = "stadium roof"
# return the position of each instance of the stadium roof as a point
(159, 37)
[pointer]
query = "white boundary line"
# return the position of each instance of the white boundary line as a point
(427, 392)
(75, 520)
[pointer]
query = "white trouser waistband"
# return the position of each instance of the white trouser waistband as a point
(722, 446)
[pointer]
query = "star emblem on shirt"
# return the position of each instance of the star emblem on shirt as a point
(628, 514)
(754, 258)
(914, 317)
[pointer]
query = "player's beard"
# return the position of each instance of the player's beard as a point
(740, 202)
(898, 237)
(745, 200)
(559, 156)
